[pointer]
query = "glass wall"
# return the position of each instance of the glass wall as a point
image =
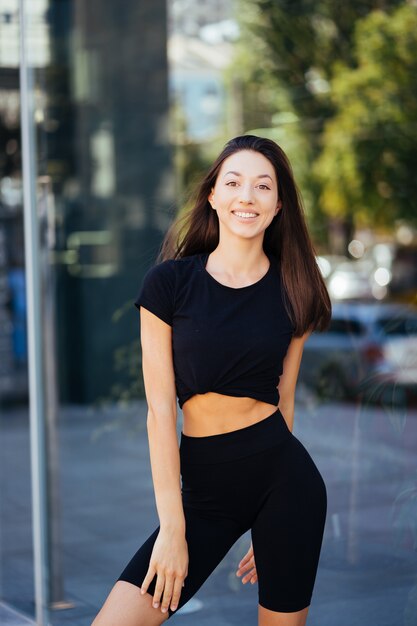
(104, 196)
(129, 106)
(16, 545)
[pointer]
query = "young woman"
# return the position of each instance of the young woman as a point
(224, 316)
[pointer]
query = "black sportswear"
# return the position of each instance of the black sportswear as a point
(260, 478)
(225, 339)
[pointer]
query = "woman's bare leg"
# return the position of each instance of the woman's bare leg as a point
(126, 606)
(273, 618)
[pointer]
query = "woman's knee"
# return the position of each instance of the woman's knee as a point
(267, 617)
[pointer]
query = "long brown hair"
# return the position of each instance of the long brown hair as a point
(306, 298)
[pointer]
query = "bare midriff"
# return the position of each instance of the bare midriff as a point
(214, 413)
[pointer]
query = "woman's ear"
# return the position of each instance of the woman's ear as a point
(211, 198)
(279, 207)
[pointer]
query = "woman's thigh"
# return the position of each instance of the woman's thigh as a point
(208, 541)
(125, 606)
(288, 530)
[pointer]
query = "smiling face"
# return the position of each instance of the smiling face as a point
(245, 194)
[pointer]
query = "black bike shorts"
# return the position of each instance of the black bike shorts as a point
(261, 478)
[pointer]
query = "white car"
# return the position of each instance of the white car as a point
(369, 349)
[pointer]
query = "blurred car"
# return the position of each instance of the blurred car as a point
(355, 280)
(369, 349)
(329, 262)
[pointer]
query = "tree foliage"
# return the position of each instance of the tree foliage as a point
(346, 72)
(298, 43)
(368, 162)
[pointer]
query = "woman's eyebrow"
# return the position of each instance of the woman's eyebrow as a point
(237, 174)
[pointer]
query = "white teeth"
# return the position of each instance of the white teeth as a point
(244, 214)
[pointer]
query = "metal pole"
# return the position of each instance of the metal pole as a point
(46, 225)
(34, 326)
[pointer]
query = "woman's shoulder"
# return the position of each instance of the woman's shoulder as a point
(188, 261)
(172, 269)
(177, 263)
(162, 269)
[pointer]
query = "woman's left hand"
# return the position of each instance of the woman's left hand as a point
(247, 564)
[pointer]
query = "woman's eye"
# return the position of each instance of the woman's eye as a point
(234, 183)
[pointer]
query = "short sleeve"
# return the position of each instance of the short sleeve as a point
(157, 293)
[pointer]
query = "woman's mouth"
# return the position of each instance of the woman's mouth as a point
(245, 215)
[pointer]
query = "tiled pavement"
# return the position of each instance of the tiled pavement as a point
(11, 617)
(368, 571)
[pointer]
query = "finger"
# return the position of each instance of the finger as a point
(168, 589)
(148, 579)
(159, 587)
(246, 567)
(176, 594)
(250, 563)
(247, 556)
(248, 576)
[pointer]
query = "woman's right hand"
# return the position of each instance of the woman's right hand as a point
(169, 561)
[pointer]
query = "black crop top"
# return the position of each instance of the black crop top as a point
(225, 339)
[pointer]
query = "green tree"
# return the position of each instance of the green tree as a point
(368, 162)
(289, 54)
(297, 44)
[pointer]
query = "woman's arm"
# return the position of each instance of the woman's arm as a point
(158, 375)
(288, 379)
(170, 557)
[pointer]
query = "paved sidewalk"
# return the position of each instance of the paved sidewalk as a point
(367, 573)
(11, 617)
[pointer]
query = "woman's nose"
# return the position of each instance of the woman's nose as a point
(246, 194)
